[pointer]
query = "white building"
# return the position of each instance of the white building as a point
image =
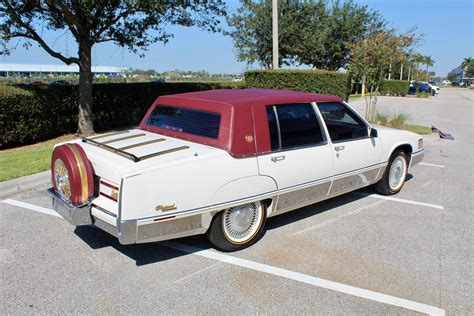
(34, 70)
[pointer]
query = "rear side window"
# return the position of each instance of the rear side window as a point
(190, 121)
(293, 125)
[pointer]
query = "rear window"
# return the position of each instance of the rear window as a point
(190, 121)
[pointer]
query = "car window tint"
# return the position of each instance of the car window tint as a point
(298, 126)
(190, 121)
(342, 123)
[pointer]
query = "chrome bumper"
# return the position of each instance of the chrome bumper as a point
(76, 215)
(417, 157)
(129, 232)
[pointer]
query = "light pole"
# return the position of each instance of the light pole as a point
(275, 33)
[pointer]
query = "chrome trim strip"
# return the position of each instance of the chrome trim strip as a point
(278, 126)
(190, 211)
(143, 144)
(104, 210)
(109, 134)
(261, 195)
(117, 151)
(417, 157)
(123, 138)
(361, 169)
(418, 152)
(164, 152)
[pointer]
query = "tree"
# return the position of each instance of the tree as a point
(131, 24)
(417, 59)
(251, 31)
(330, 28)
(371, 58)
(315, 33)
(429, 62)
(468, 66)
(452, 76)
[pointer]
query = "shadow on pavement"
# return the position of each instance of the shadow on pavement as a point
(155, 252)
(142, 254)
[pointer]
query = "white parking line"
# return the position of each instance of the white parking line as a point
(32, 207)
(336, 218)
(389, 198)
(431, 165)
(288, 274)
(304, 278)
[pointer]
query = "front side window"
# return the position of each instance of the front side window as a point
(293, 125)
(342, 123)
(190, 121)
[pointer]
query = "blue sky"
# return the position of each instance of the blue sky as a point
(447, 27)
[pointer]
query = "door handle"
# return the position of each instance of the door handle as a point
(339, 148)
(277, 158)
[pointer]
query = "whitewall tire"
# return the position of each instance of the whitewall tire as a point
(238, 227)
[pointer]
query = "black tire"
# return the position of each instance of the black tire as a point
(383, 186)
(220, 239)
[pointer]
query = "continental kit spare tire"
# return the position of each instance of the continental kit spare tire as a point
(72, 174)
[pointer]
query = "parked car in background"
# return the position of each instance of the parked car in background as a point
(59, 83)
(419, 87)
(38, 83)
(220, 162)
(446, 82)
(434, 87)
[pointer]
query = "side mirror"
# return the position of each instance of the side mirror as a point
(373, 133)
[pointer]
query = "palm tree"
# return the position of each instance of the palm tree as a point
(429, 62)
(467, 70)
(467, 61)
(417, 60)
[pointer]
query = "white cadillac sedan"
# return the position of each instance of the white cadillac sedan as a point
(221, 162)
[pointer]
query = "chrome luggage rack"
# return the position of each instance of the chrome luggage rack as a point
(125, 154)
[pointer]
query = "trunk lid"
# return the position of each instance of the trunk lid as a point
(129, 153)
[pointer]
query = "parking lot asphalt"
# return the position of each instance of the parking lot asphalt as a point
(355, 254)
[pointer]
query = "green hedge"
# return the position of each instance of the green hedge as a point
(31, 114)
(394, 87)
(317, 81)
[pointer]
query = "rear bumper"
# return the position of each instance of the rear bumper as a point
(417, 157)
(131, 232)
(76, 215)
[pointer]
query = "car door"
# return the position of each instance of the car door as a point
(357, 156)
(301, 159)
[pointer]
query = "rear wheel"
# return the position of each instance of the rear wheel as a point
(395, 174)
(238, 227)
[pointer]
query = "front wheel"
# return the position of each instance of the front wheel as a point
(238, 227)
(395, 174)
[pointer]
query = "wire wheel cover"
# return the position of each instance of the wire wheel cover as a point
(397, 173)
(242, 222)
(61, 177)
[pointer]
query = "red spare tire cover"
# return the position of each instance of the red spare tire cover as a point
(72, 174)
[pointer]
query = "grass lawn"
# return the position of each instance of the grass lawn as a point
(26, 160)
(353, 97)
(419, 129)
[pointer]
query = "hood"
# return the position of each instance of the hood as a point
(126, 153)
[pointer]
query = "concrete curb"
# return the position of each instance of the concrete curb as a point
(24, 183)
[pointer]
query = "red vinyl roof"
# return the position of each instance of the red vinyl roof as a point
(244, 128)
(248, 96)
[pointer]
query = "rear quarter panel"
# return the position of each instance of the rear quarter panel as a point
(189, 185)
